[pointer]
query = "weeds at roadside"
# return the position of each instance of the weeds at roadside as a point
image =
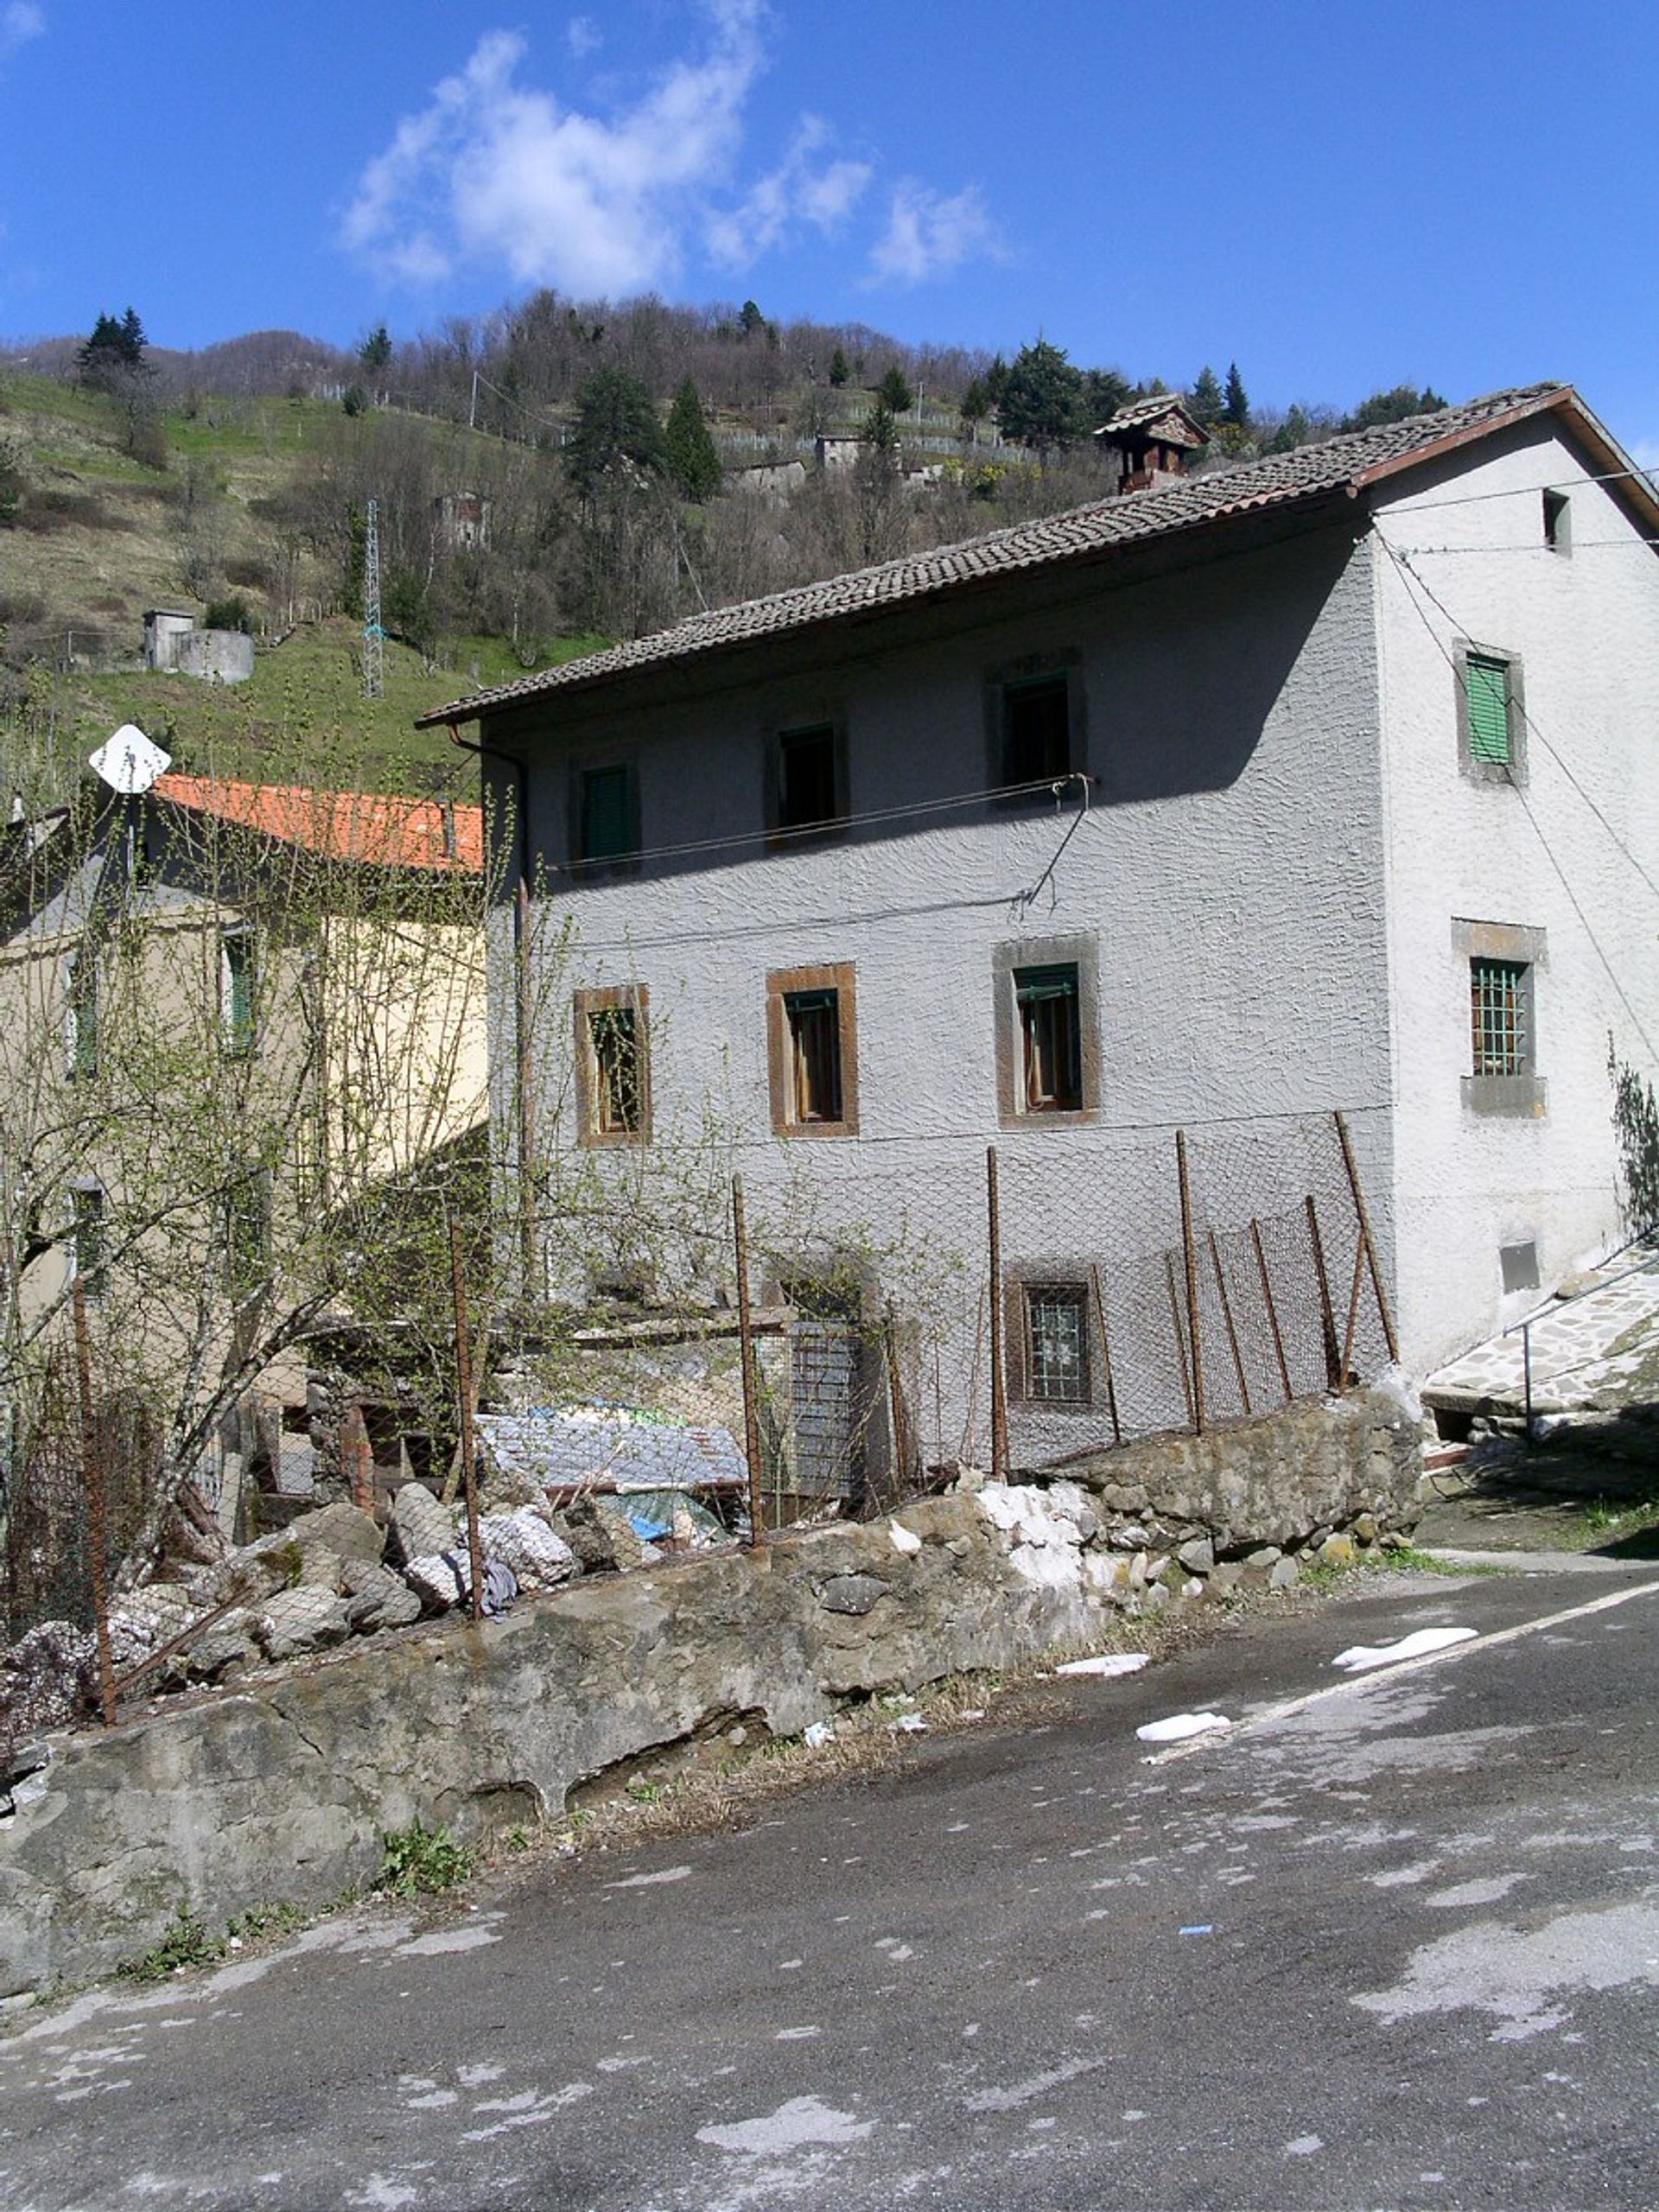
(420, 1861)
(186, 1943)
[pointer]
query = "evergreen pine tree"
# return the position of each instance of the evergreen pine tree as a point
(839, 370)
(895, 392)
(1206, 401)
(689, 449)
(1042, 401)
(879, 433)
(616, 427)
(1236, 406)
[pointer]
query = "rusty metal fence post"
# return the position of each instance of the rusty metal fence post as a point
(1366, 1239)
(1190, 1256)
(999, 1387)
(464, 1391)
(97, 1531)
(1273, 1310)
(1327, 1313)
(746, 1354)
(1106, 1355)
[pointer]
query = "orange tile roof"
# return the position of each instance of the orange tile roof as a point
(378, 827)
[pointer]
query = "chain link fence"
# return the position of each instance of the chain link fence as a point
(710, 1363)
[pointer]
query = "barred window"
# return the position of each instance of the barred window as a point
(1497, 1010)
(1057, 1344)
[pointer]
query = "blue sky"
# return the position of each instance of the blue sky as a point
(1340, 196)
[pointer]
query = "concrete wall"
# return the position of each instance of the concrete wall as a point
(216, 656)
(282, 1790)
(1226, 878)
(1570, 852)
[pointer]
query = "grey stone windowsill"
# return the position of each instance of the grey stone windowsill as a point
(1522, 1095)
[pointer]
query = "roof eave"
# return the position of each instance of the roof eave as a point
(1299, 502)
(1630, 483)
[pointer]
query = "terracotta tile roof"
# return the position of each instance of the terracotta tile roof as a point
(1139, 412)
(1338, 465)
(375, 827)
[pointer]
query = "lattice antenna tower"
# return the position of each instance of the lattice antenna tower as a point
(374, 638)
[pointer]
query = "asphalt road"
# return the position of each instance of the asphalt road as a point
(1391, 1941)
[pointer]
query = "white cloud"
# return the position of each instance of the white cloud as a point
(594, 204)
(810, 185)
(494, 171)
(929, 234)
(20, 21)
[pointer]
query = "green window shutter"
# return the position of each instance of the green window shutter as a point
(606, 814)
(1487, 691)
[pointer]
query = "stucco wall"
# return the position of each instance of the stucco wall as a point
(1572, 851)
(1229, 881)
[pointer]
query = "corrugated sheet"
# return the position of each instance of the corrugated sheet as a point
(582, 1446)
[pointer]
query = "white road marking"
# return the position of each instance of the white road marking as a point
(1389, 1676)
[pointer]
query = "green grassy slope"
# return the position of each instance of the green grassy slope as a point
(100, 537)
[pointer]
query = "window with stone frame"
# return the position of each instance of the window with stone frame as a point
(1491, 716)
(811, 1043)
(614, 1064)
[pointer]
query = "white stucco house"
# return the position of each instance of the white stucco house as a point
(1330, 780)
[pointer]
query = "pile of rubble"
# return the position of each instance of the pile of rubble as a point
(330, 1575)
(1116, 1547)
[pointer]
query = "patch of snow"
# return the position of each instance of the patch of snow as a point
(1359, 1658)
(650, 1881)
(801, 2121)
(1106, 1662)
(1180, 1726)
(903, 1540)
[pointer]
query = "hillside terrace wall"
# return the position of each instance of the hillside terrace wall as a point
(283, 1788)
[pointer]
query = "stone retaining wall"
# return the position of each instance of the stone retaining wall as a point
(282, 1788)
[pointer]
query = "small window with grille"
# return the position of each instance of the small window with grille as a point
(1050, 1036)
(1499, 1024)
(1057, 1344)
(239, 991)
